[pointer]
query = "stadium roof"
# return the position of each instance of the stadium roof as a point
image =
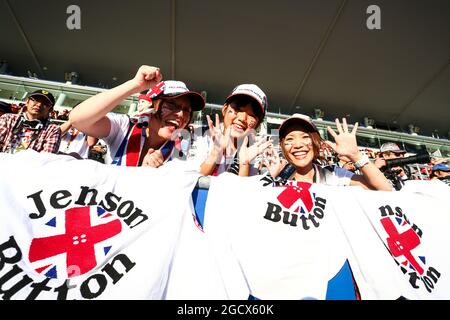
(304, 54)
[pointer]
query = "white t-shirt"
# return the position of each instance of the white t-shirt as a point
(200, 150)
(332, 175)
(120, 124)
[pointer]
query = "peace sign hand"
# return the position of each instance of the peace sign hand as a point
(153, 158)
(248, 153)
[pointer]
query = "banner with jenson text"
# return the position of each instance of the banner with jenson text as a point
(78, 229)
(292, 241)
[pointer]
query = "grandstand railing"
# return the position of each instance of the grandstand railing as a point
(14, 90)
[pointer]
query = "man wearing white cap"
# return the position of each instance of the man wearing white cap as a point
(226, 147)
(128, 143)
(441, 172)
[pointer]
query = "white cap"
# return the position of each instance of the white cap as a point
(392, 147)
(253, 91)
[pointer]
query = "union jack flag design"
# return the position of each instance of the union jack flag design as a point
(293, 193)
(76, 251)
(402, 240)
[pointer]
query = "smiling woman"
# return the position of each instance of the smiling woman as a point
(301, 145)
(31, 129)
(171, 108)
(171, 105)
(230, 147)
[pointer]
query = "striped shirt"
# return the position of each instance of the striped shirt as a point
(47, 139)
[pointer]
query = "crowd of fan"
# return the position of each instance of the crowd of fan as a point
(84, 148)
(162, 125)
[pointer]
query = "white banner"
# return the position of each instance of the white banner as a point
(77, 229)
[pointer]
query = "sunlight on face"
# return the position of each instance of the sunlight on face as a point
(239, 119)
(297, 146)
(38, 107)
(175, 115)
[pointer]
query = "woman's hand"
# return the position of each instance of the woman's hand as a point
(153, 158)
(221, 140)
(248, 153)
(345, 141)
(379, 162)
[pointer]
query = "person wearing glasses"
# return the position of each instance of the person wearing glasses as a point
(301, 143)
(232, 146)
(5, 108)
(346, 163)
(128, 143)
(31, 128)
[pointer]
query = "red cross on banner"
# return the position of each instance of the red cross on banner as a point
(401, 244)
(156, 90)
(291, 194)
(134, 147)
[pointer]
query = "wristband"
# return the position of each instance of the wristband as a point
(362, 162)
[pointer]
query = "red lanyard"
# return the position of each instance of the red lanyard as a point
(72, 136)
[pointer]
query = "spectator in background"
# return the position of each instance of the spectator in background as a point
(300, 142)
(127, 143)
(435, 160)
(192, 136)
(17, 108)
(229, 146)
(31, 129)
(441, 172)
